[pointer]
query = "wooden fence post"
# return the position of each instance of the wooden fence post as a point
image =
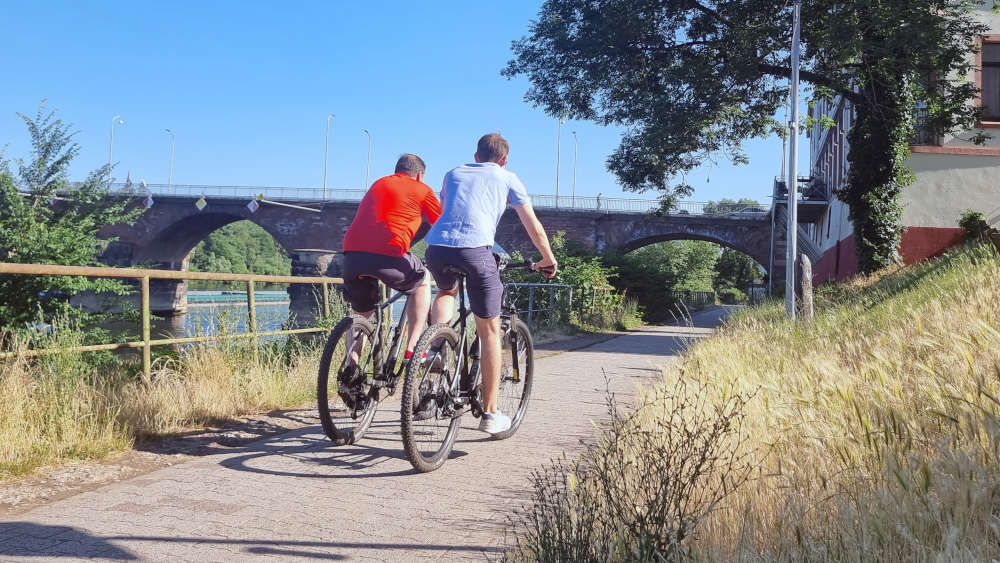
(252, 320)
(146, 346)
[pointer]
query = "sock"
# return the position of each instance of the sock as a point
(408, 355)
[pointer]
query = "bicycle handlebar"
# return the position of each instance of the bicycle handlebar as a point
(526, 265)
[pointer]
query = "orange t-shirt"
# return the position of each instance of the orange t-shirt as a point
(390, 214)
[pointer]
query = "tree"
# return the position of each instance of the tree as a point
(651, 273)
(44, 219)
(693, 79)
(726, 205)
(240, 248)
(735, 270)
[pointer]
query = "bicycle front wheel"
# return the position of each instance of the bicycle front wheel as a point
(345, 421)
(515, 385)
(428, 432)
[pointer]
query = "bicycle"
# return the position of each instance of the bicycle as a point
(379, 367)
(434, 399)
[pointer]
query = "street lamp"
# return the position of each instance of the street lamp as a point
(326, 152)
(575, 145)
(558, 146)
(793, 209)
(368, 167)
(170, 176)
(111, 146)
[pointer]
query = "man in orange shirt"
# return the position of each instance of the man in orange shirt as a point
(397, 211)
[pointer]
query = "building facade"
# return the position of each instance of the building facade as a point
(953, 174)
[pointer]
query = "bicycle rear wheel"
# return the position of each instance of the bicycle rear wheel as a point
(429, 434)
(346, 423)
(515, 388)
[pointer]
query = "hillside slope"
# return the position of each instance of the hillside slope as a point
(871, 433)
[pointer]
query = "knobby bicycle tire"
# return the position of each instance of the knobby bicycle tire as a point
(520, 389)
(349, 430)
(429, 442)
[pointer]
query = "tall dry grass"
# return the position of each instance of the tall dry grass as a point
(68, 407)
(874, 431)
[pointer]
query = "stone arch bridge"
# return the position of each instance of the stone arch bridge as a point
(312, 232)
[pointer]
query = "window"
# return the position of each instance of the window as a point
(991, 81)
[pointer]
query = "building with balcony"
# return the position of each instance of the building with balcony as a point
(953, 174)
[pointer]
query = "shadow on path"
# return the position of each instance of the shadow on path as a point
(37, 540)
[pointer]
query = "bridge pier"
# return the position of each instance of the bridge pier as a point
(306, 301)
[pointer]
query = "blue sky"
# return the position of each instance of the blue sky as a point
(246, 87)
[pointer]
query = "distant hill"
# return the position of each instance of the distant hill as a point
(240, 248)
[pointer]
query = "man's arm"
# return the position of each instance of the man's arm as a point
(536, 232)
(421, 232)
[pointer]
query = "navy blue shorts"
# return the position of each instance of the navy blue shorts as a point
(482, 279)
(363, 271)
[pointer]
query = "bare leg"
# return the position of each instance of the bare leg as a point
(488, 331)
(352, 347)
(444, 306)
(417, 306)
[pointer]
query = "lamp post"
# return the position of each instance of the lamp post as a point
(170, 175)
(558, 147)
(368, 167)
(576, 143)
(111, 145)
(793, 211)
(326, 152)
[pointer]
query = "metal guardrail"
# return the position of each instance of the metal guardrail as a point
(542, 201)
(551, 309)
(144, 276)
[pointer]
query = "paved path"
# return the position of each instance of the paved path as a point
(294, 497)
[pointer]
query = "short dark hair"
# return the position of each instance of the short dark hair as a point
(492, 148)
(411, 165)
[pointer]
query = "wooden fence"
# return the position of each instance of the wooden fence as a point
(146, 343)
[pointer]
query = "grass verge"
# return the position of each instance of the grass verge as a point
(67, 407)
(872, 433)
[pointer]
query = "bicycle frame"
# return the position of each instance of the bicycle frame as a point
(467, 352)
(383, 357)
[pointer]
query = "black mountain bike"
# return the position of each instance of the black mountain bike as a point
(366, 379)
(445, 385)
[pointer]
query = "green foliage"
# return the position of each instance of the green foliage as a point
(596, 303)
(240, 248)
(975, 225)
(726, 205)
(731, 296)
(693, 80)
(652, 273)
(44, 219)
(735, 270)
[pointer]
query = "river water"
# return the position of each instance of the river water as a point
(209, 312)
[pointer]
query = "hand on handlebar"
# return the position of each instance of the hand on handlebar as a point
(547, 268)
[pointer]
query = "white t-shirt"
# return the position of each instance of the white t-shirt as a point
(474, 197)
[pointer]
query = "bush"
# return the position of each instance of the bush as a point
(596, 304)
(731, 296)
(643, 489)
(975, 226)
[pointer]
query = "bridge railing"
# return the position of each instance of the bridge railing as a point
(147, 342)
(542, 201)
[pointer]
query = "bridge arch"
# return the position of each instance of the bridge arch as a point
(171, 246)
(748, 250)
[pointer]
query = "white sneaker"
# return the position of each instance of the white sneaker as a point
(494, 423)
